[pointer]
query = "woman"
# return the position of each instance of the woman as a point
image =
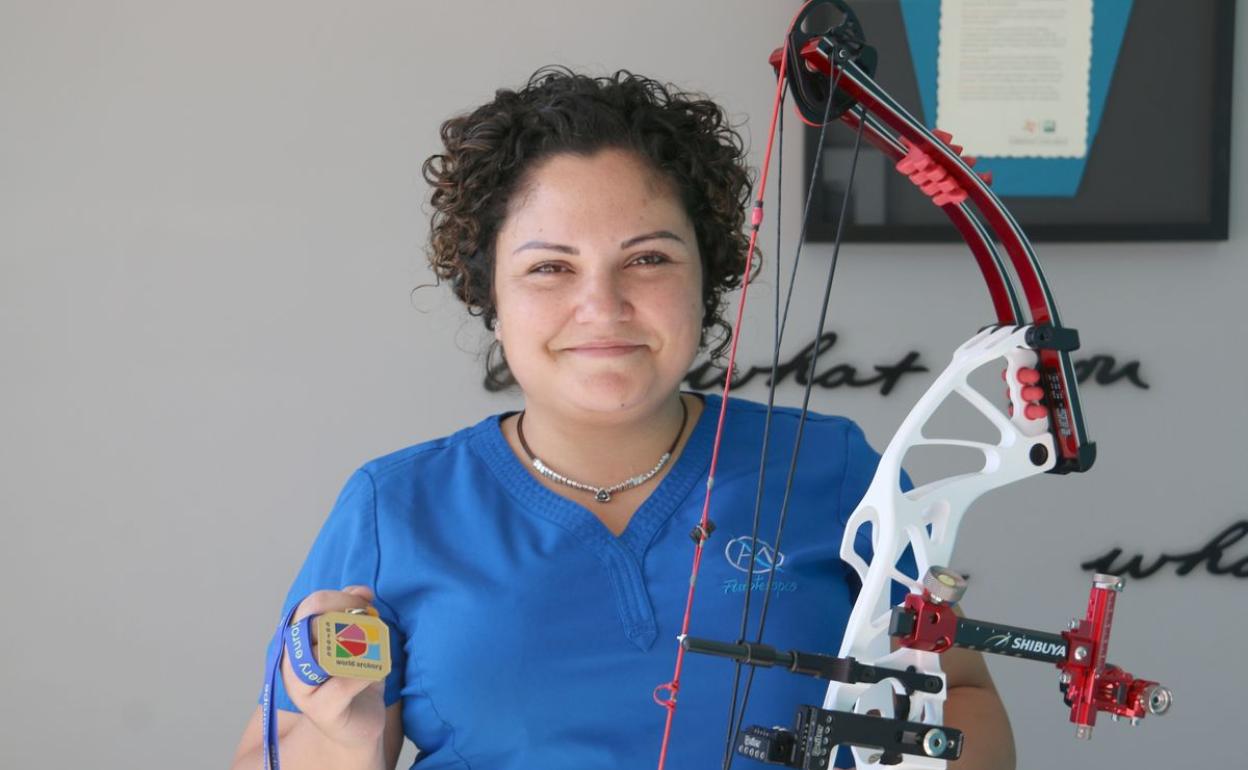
(533, 568)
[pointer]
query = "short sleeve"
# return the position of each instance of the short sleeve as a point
(347, 552)
(861, 462)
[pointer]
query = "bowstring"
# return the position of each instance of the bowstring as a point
(810, 377)
(673, 686)
(777, 336)
(780, 323)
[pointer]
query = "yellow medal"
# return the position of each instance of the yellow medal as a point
(354, 644)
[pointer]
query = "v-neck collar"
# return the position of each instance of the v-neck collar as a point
(623, 554)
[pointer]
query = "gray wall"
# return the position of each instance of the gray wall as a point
(210, 225)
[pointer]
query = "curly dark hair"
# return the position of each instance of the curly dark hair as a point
(489, 151)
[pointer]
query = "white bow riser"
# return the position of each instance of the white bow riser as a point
(926, 519)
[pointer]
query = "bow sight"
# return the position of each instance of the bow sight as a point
(1087, 680)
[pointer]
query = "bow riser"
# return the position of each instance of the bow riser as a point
(926, 520)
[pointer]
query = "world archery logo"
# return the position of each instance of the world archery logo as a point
(766, 558)
(353, 641)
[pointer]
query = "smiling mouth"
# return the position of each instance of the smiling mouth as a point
(606, 350)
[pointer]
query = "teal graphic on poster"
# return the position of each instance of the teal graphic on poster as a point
(1023, 176)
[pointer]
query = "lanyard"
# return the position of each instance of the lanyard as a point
(296, 640)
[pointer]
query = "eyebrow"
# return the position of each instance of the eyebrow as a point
(562, 249)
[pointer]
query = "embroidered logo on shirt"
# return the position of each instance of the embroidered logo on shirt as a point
(766, 558)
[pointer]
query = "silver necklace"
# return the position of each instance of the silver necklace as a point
(601, 494)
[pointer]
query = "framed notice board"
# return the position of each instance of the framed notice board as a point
(1157, 159)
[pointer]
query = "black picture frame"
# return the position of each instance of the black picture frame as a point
(1158, 168)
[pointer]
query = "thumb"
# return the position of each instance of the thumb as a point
(364, 592)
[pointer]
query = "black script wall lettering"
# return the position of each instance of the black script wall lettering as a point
(1212, 556)
(1100, 369)
(706, 376)
(1104, 370)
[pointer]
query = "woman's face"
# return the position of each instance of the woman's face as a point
(598, 286)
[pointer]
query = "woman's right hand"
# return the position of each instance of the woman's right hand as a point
(350, 712)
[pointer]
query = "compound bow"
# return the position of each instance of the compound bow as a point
(888, 705)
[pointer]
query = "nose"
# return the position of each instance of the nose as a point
(603, 297)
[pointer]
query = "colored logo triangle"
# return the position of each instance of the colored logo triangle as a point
(349, 631)
(350, 649)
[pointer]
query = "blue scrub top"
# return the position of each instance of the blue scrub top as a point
(526, 635)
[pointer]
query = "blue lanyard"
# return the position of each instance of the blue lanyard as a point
(296, 639)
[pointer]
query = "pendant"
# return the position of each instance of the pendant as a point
(603, 496)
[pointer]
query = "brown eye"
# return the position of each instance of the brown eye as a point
(653, 258)
(548, 268)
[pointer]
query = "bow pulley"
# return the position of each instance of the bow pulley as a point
(833, 28)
